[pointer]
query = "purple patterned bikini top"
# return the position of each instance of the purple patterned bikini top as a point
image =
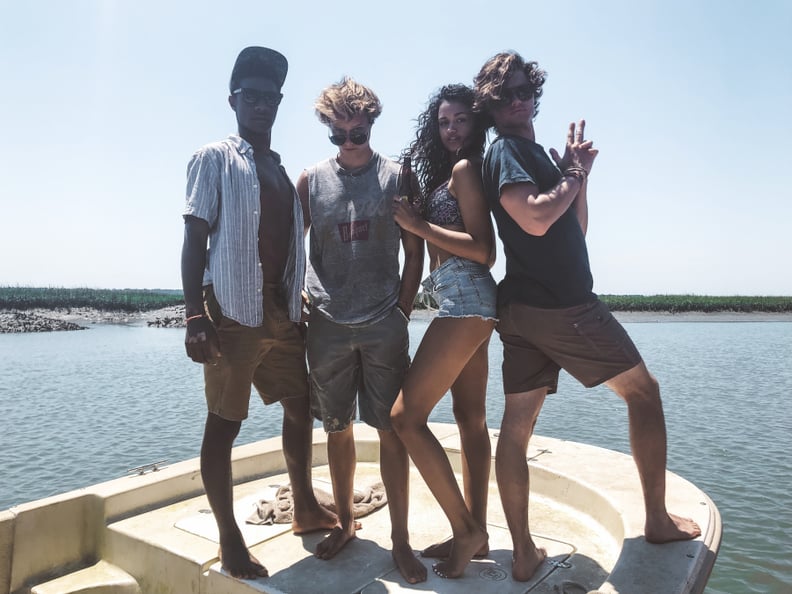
(442, 208)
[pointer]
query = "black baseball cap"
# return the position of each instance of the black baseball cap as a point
(259, 61)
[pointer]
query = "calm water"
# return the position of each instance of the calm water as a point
(83, 407)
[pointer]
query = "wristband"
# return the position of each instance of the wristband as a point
(195, 317)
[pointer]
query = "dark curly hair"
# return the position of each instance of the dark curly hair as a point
(489, 82)
(431, 161)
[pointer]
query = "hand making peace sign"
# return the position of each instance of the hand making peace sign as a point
(578, 152)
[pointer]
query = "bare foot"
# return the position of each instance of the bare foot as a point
(523, 567)
(670, 529)
(318, 518)
(409, 566)
(334, 542)
(442, 550)
(462, 552)
(240, 563)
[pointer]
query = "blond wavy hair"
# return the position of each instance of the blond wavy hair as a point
(345, 100)
(489, 82)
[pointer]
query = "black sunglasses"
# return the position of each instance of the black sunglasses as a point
(254, 96)
(508, 95)
(356, 136)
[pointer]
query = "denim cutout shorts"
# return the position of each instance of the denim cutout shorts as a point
(462, 288)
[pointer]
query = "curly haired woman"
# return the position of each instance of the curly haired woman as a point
(455, 222)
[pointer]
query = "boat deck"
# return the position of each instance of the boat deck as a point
(156, 533)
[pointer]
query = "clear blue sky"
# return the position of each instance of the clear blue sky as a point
(104, 102)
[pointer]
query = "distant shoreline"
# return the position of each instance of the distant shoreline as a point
(15, 321)
(702, 316)
(52, 309)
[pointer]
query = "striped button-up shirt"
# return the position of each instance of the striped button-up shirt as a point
(223, 190)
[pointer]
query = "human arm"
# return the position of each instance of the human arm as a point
(302, 192)
(413, 247)
(536, 211)
(580, 206)
(200, 339)
(476, 241)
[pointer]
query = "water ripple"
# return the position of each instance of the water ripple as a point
(83, 407)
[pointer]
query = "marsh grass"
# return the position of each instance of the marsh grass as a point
(697, 303)
(127, 300)
(131, 300)
(674, 303)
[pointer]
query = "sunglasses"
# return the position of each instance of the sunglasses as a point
(508, 95)
(254, 96)
(356, 136)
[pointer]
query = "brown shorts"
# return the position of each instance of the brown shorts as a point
(585, 340)
(271, 357)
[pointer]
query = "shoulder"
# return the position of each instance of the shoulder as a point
(494, 150)
(507, 144)
(467, 166)
(507, 151)
(213, 150)
(386, 163)
(323, 167)
(466, 170)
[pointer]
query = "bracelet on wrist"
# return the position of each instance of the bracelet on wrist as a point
(577, 172)
(195, 317)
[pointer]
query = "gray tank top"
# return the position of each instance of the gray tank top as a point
(353, 267)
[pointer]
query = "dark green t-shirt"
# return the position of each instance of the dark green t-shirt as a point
(549, 271)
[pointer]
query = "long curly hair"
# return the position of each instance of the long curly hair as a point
(432, 162)
(346, 99)
(489, 82)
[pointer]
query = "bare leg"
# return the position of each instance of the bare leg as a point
(469, 393)
(447, 346)
(511, 468)
(342, 461)
(470, 411)
(395, 470)
(297, 428)
(640, 391)
(219, 435)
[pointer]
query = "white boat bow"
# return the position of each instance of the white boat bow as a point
(152, 533)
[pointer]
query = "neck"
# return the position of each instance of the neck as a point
(354, 159)
(260, 141)
(526, 130)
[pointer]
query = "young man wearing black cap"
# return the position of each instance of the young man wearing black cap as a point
(242, 275)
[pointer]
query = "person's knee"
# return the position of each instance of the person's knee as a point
(468, 418)
(646, 391)
(389, 440)
(219, 431)
(653, 385)
(400, 417)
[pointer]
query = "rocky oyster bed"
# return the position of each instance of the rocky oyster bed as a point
(54, 320)
(13, 322)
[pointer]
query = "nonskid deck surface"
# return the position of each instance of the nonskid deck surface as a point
(365, 564)
(156, 534)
